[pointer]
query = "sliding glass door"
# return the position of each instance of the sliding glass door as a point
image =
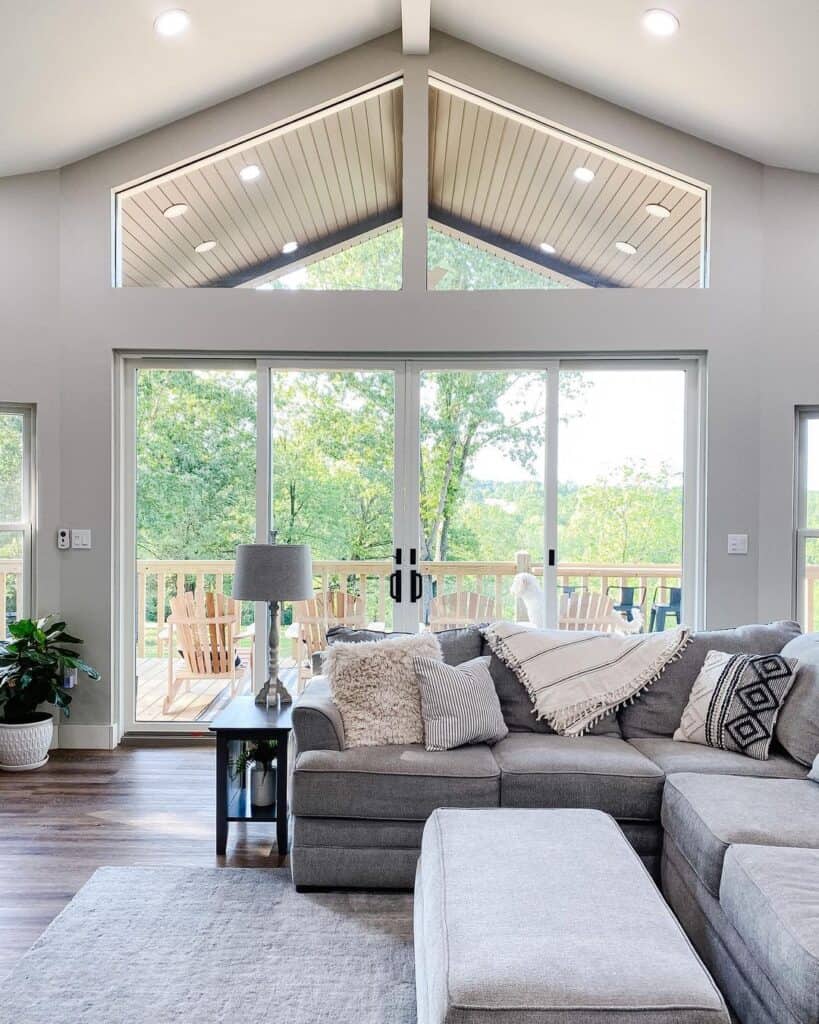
(422, 486)
(194, 464)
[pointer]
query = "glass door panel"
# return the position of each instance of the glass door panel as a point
(195, 501)
(482, 491)
(333, 481)
(620, 496)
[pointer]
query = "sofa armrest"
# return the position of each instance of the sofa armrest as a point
(317, 723)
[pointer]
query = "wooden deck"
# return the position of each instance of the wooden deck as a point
(206, 697)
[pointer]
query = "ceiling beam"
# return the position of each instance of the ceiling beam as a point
(415, 15)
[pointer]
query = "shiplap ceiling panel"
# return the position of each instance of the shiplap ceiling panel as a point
(324, 179)
(509, 180)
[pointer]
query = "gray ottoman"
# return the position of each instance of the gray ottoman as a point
(546, 917)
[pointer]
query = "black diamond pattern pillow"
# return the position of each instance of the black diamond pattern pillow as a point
(735, 700)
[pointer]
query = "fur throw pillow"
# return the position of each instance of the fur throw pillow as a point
(376, 690)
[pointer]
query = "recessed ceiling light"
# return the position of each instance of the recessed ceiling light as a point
(172, 23)
(660, 23)
(584, 174)
(547, 248)
(289, 247)
(177, 210)
(626, 247)
(250, 172)
(205, 246)
(656, 210)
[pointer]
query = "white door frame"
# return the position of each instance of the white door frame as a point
(406, 518)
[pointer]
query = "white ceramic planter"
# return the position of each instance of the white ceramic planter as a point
(263, 786)
(24, 745)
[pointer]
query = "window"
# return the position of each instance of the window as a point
(311, 204)
(807, 519)
(16, 532)
(555, 207)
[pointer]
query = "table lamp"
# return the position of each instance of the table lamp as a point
(273, 573)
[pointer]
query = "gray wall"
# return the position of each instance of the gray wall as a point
(66, 321)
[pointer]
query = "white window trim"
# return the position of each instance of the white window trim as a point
(801, 532)
(26, 606)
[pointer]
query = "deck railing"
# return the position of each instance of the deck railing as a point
(371, 579)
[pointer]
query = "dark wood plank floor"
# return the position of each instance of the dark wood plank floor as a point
(83, 810)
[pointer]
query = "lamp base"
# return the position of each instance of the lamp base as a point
(273, 693)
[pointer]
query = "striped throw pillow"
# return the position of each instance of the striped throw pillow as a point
(459, 704)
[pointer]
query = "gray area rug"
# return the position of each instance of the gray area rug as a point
(142, 945)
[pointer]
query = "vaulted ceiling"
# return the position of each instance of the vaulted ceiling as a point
(77, 76)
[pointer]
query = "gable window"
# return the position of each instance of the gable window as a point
(807, 519)
(532, 202)
(311, 204)
(16, 501)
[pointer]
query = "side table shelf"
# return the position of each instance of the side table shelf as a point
(244, 720)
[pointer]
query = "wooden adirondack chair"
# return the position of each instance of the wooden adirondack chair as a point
(585, 610)
(315, 616)
(449, 611)
(205, 626)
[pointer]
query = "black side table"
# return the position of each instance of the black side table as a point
(241, 720)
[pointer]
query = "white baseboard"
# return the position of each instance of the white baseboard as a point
(68, 736)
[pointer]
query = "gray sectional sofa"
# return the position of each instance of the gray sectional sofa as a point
(358, 814)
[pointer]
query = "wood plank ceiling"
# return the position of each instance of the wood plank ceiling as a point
(498, 179)
(508, 181)
(325, 179)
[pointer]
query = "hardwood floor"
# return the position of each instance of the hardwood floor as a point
(86, 809)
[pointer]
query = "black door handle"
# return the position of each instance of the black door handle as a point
(416, 586)
(395, 578)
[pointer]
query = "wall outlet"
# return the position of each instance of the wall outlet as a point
(81, 539)
(737, 543)
(63, 538)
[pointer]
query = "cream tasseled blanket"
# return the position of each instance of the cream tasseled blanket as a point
(574, 679)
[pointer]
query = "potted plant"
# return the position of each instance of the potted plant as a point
(260, 757)
(37, 666)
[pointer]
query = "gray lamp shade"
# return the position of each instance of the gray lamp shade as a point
(273, 572)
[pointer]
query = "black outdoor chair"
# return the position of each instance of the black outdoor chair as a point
(667, 601)
(627, 599)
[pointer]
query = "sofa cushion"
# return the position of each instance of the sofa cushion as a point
(705, 814)
(600, 942)
(457, 645)
(797, 727)
(771, 897)
(657, 710)
(393, 782)
(673, 756)
(519, 712)
(603, 773)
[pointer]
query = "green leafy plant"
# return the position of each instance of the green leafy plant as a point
(33, 665)
(262, 752)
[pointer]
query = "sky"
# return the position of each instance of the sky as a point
(621, 415)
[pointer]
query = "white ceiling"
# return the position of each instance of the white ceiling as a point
(77, 76)
(741, 73)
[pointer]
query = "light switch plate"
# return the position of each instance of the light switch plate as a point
(81, 539)
(737, 543)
